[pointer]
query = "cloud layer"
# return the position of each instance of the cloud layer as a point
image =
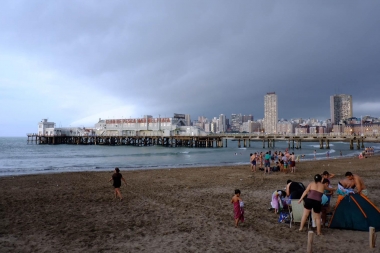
(76, 61)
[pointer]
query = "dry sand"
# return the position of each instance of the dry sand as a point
(176, 210)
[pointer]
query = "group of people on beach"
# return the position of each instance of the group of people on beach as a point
(320, 187)
(367, 152)
(316, 196)
(281, 161)
(312, 195)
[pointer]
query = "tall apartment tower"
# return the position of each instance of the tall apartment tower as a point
(270, 112)
(222, 123)
(340, 107)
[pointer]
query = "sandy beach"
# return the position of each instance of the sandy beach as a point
(171, 210)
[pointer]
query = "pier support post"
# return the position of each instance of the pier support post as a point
(310, 236)
(226, 142)
(358, 144)
(239, 143)
(263, 143)
(372, 237)
(351, 144)
(363, 143)
(245, 143)
(321, 143)
(327, 144)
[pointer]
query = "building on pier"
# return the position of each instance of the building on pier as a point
(147, 126)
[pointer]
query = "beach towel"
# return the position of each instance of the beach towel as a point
(239, 211)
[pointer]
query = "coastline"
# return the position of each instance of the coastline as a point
(166, 210)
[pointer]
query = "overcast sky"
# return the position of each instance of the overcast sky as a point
(74, 62)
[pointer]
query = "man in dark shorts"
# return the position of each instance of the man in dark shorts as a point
(253, 162)
(116, 178)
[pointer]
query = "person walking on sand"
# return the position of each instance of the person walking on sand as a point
(238, 208)
(116, 178)
(314, 192)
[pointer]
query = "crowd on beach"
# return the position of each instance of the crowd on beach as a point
(316, 196)
(367, 152)
(276, 161)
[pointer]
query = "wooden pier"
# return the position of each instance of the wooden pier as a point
(167, 141)
(209, 141)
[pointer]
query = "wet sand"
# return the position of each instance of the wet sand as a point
(171, 210)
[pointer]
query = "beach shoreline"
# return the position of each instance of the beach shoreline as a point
(166, 210)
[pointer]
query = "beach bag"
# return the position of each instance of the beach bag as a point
(284, 217)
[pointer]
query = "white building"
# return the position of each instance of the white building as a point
(270, 112)
(146, 126)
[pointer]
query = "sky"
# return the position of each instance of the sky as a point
(73, 62)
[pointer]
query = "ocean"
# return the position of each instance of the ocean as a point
(17, 157)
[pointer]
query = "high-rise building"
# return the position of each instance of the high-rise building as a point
(222, 123)
(340, 107)
(270, 112)
(236, 121)
(245, 118)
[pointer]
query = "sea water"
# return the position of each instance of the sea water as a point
(17, 157)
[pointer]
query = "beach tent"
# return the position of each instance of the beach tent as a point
(355, 212)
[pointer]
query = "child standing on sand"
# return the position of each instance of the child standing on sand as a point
(238, 208)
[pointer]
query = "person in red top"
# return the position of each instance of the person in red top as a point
(116, 178)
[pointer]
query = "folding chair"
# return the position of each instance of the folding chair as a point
(296, 212)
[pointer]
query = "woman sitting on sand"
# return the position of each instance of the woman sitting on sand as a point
(314, 192)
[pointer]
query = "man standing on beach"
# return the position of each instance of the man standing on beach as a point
(292, 163)
(253, 162)
(267, 163)
(117, 177)
(357, 183)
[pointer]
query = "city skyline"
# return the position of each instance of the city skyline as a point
(75, 62)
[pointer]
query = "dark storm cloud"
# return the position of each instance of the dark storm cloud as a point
(206, 57)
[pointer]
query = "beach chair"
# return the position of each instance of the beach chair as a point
(296, 212)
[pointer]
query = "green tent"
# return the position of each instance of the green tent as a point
(355, 212)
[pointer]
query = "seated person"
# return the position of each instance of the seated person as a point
(276, 167)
